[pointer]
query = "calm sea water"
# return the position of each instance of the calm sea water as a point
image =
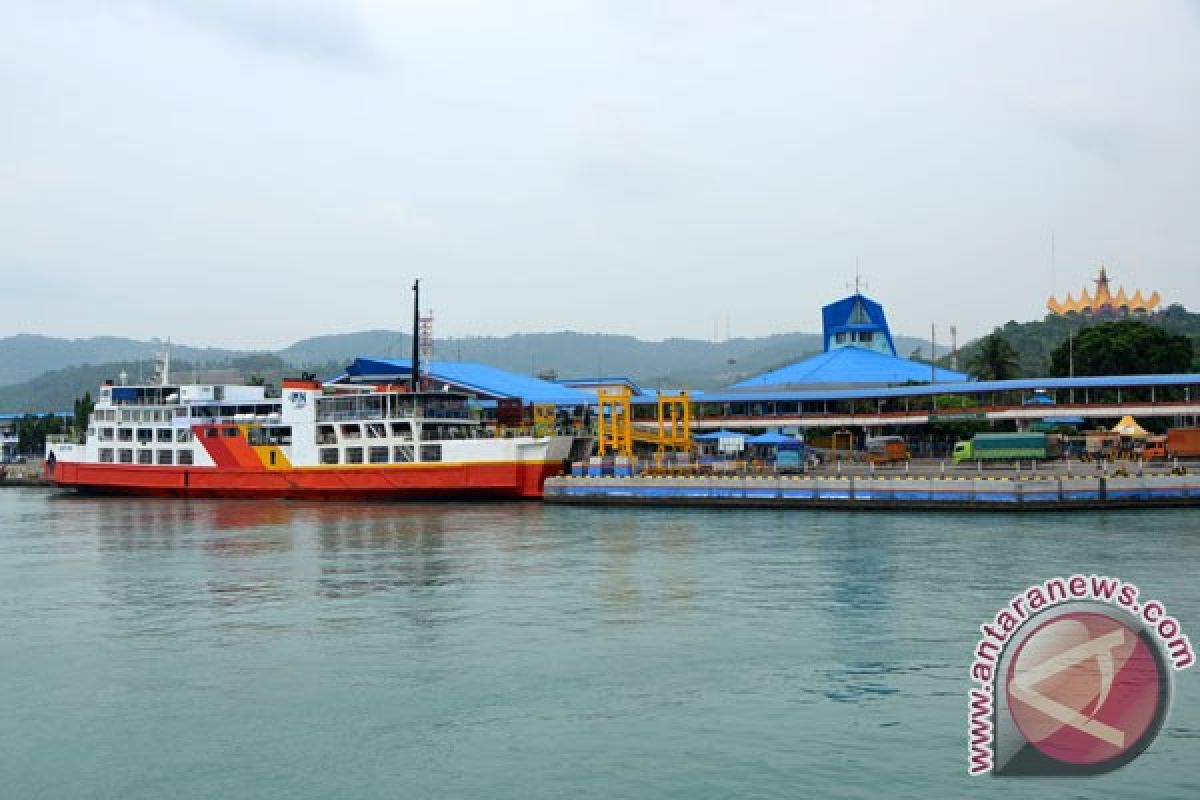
(154, 649)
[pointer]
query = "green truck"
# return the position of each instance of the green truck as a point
(1004, 447)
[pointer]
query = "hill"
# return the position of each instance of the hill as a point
(27, 355)
(673, 362)
(1035, 341)
(57, 389)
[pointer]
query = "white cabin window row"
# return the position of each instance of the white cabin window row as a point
(109, 455)
(378, 454)
(145, 436)
(355, 432)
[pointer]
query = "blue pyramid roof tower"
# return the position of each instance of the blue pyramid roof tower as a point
(859, 351)
(857, 321)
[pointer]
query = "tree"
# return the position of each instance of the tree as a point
(82, 412)
(32, 432)
(1122, 347)
(995, 360)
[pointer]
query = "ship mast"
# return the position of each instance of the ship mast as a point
(162, 364)
(416, 350)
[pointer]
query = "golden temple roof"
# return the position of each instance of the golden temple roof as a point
(1104, 300)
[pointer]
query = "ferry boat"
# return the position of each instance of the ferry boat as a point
(307, 440)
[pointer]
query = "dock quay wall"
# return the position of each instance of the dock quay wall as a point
(877, 492)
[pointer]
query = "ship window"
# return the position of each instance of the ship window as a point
(166, 457)
(326, 434)
(231, 433)
(106, 455)
(377, 455)
(402, 454)
(125, 415)
(866, 336)
(211, 433)
(840, 338)
(145, 435)
(431, 452)
(351, 432)
(255, 436)
(184, 457)
(124, 434)
(329, 455)
(354, 455)
(183, 435)
(401, 430)
(91, 432)
(145, 456)
(106, 434)
(125, 456)
(164, 435)
(376, 430)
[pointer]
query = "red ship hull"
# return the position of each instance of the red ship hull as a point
(514, 480)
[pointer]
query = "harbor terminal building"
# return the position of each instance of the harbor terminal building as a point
(858, 382)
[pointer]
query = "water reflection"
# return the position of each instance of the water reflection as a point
(363, 553)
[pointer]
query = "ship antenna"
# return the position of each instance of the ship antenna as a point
(416, 350)
(164, 364)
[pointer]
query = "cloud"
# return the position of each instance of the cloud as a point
(322, 30)
(1083, 127)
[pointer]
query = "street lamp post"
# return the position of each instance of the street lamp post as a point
(1071, 360)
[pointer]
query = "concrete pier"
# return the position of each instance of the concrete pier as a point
(929, 492)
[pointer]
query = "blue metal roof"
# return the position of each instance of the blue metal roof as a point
(846, 366)
(612, 380)
(773, 437)
(721, 434)
(479, 378)
(965, 387)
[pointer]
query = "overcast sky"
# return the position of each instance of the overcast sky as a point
(246, 173)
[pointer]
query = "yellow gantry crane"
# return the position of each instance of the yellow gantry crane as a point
(616, 432)
(614, 425)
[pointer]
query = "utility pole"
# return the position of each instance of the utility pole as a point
(954, 347)
(415, 372)
(1071, 359)
(932, 352)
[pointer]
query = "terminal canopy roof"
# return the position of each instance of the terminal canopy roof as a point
(721, 434)
(486, 382)
(1128, 426)
(851, 366)
(773, 438)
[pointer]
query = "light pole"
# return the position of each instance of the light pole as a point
(1071, 360)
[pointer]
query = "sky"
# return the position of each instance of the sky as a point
(246, 173)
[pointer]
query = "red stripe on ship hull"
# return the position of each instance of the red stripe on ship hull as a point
(458, 481)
